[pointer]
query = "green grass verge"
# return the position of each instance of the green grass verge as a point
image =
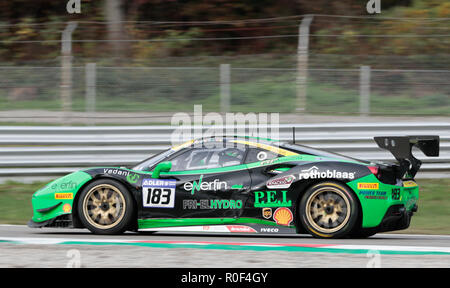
(432, 217)
(15, 202)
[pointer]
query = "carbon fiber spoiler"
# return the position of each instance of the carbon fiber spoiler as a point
(401, 148)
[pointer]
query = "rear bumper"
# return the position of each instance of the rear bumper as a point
(396, 218)
(377, 199)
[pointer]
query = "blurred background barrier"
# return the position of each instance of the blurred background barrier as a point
(42, 152)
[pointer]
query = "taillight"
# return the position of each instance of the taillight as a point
(374, 170)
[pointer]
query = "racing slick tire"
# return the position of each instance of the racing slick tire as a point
(106, 207)
(329, 210)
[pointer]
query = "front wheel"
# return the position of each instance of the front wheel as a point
(106, 207)
(328, 210)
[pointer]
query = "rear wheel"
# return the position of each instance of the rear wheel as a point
(106, 207)
(328, 210)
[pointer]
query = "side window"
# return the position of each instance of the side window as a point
(257, 154)
(208, 158)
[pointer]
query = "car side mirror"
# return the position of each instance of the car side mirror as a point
(161, 167)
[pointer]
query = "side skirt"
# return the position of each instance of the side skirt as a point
(219, 225)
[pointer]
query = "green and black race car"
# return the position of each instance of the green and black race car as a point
(243, 185)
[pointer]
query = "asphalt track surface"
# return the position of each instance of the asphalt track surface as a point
(21, 246)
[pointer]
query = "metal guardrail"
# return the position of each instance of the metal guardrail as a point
(54, 151)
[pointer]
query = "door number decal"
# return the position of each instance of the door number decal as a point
(158, 193)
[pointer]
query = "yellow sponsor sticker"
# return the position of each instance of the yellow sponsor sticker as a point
(283, 216)
(368, 186)
(67, 208)
(409, 183)
(63, 196)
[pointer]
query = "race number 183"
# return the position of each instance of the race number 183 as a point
(161, 195)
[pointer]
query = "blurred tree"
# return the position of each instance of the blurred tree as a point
(120, 16)
(114, 17)
(392, 34)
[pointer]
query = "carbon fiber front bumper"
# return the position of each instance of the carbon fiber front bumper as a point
(63, 221)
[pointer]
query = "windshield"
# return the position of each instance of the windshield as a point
(149, 163)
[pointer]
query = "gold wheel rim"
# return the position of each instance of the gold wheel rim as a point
(328, 209)
(104, 206)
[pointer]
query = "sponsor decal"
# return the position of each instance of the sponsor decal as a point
(269, 230)
(368, 186)
(64, 186)
(196, 204)
(271, 199)
(280, 183)
(314, 173)
(283, 216)
(212, 204)
(67, 208)
(158, 182)
(409, 184)
(267, 213)
(226, 204)
(158, 193)
(378, 195)
(118, 172)
(215, 185)
(240, 229)
(64, 196)
(133, 178)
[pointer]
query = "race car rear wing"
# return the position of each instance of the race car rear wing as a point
(401, 148)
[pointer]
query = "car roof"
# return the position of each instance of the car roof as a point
(276, 146)
(228, 139)
(257, 142)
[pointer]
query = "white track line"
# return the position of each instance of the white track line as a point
(54, 241)
(392, 248)
(387, 235)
